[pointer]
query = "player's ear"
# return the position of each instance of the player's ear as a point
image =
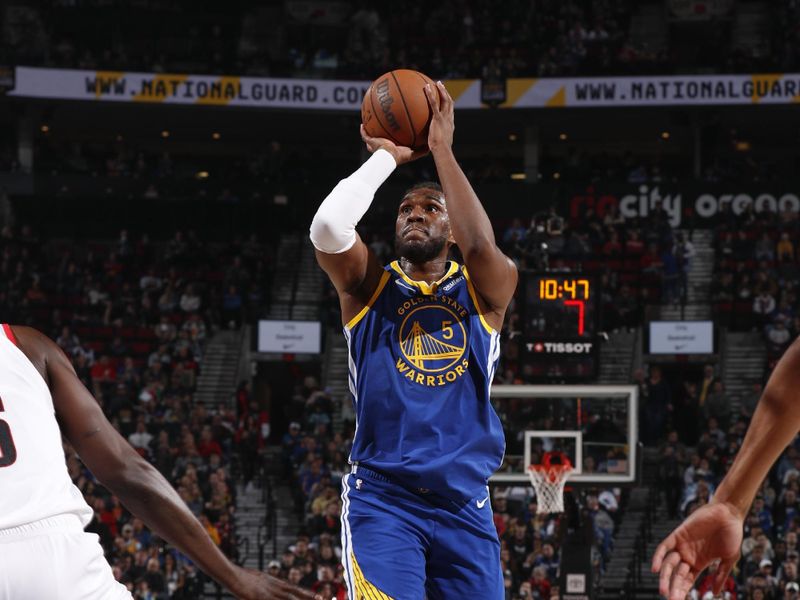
(451, 241)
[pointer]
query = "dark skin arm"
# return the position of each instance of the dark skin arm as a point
(355, 275)
(138, 485)
(713, 533)
(493, 274)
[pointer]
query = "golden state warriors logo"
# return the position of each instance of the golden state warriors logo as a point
(432, 340)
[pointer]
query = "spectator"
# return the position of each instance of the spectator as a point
(785, 248)
(141, 438)
(670, 478)
(655, 407)
(717, 405)
(190, 300)
(764, 305)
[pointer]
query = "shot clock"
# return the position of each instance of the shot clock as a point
(559, 326)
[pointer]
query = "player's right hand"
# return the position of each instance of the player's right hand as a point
(712, 533)
(401, 154)
(255, 585)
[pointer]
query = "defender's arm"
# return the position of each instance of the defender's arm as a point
(140, 487)
(714, 531)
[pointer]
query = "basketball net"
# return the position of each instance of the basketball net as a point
(548, 479)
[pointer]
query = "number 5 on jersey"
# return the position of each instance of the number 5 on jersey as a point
(8, 451)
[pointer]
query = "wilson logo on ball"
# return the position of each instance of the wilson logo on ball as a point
(385, 100)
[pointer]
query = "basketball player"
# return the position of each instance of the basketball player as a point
(44, 551)
(713, 533)
(423, 338)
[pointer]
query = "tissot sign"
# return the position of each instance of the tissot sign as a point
(560, 347)
(684, 202)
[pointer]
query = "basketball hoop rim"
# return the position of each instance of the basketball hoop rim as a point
(547, 466)
(553, 473)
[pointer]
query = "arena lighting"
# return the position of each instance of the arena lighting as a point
(556, 175)
(518, 176)
(165, 133)
(45, 129)
(665, 135)
(202, 175)
(562, 136)
(512, 137)
(216, 135)
(742, 146)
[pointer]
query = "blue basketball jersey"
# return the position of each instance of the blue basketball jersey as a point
(422, 359)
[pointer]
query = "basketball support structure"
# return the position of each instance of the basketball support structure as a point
(575, 530)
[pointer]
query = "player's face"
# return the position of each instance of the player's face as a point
(422, 230)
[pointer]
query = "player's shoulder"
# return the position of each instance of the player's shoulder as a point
(38, 347)
(30, 337)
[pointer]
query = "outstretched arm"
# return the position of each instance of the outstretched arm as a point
(493, 274)
(714, 532)
(140, 487)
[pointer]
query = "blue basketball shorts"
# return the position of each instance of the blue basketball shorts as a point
(401, 544)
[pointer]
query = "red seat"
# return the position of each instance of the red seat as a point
(141, 348)
(97, 346)
(127, 333)
(145, 333)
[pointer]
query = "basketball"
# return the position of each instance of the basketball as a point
(395, 107)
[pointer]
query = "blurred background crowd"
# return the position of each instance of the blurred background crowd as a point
(137, 237)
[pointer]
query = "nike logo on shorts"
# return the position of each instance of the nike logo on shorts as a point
(480, 503)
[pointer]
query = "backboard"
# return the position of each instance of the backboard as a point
(594, 425)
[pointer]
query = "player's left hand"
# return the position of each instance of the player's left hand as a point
(255, 585)
(713, 533)
(443, 124)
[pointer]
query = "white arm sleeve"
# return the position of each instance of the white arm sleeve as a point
(333, 229)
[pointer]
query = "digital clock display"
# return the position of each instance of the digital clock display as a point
(569, 293)
(555, 289)
(559, 306)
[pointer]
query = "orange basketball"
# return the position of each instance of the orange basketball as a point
(395, 107)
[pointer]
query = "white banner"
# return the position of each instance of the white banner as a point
(289, 337)
(678, 90)
(681, 337)
(209, 90)
(324, 94)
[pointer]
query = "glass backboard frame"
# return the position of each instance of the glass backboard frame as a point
(631, 392)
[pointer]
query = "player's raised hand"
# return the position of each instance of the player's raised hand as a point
(713, 533)
(401, 154)
(443, 125)
(255, 585)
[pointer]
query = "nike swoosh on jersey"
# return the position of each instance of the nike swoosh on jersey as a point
(480, 503)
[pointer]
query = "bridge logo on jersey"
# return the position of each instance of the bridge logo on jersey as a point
(433, 342)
